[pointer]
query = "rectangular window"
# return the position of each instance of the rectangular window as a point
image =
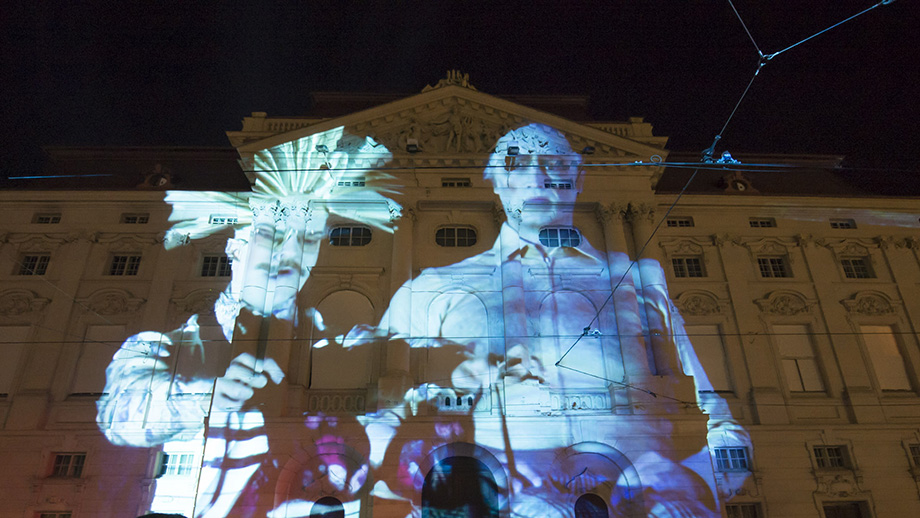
(218, 219)
(351, 182)
(679, 222)
(731, 459)
(710, 353)
(886, 357)
(99, 344)
(831, 457)
(456, 182)
(135, 218)
(857, 268)
(557, 185)
(687, 267)
(773, 267)
(68, 465)
(54, 514)
(126, 264)
(216, 266)
(34, 264)
(12, 345)
(844, 510)
(178, 464)
(915, 454)
(743, 510)
(46, 218)
(843, 223)
(797, 354)
(762, 222)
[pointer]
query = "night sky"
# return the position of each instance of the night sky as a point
(174, 73)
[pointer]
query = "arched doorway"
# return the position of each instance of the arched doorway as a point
(590, 505)
(460, 487)
(327, 507)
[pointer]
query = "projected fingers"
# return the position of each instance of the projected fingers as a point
(241, 381)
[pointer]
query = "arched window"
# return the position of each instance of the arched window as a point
(460, 486)
(455, 236)
(555, 237)
(349, 236)
(327, 507)
(590, 505)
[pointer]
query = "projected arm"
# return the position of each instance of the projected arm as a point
(146, 403)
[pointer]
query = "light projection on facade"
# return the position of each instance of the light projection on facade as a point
(487, 364)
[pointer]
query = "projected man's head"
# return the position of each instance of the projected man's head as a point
(536, 174)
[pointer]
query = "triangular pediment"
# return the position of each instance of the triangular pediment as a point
(454, 121)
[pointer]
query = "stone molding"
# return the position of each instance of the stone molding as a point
(786, 303)
(111, 301)
(199, 302)
(699, 303)
(871, 303)
(16, 302)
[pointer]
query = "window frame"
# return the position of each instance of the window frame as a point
(680, 222)
(761, 222)
(815, 359)
(558, 230)
(851, 270)
(184, 466)
(222, 268)
(74, 466)
(223, 219)
(46, 218)
(841, 459)
(454, 241)
(737, 510)
(42, 261)
(685, 272)
(783, 261)
(140, 218)
(456, 182)
(727, 460)
(337, 240)
(842, 223)
(351, 181)
(131, 267)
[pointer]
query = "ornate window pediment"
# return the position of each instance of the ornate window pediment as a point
(17, 302)
(196, 302)
(871, 303)
(111, 301)
(768, 246)
(785, 303)
(699, 303)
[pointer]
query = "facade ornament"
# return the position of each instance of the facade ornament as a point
(870, 303)
(785, 303)
(498, 213)
(199, 301)
(698, 303)
(737, 183)
(641, 211)
(720, 240)
(607, 213)
(454, 78)
(912, 243)
(111, 301)
(17, 302)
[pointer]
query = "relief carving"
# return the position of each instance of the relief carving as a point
(785, 303)
(20, 302)
(698, 304)
(197, 302)
(869, 304)
(111, 301)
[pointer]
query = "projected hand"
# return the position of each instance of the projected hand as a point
(241, 380)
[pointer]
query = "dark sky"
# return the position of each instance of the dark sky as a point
(183, 73)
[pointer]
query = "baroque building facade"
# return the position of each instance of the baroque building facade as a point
(454, 304)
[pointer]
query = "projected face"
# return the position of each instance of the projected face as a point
(532, 183)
